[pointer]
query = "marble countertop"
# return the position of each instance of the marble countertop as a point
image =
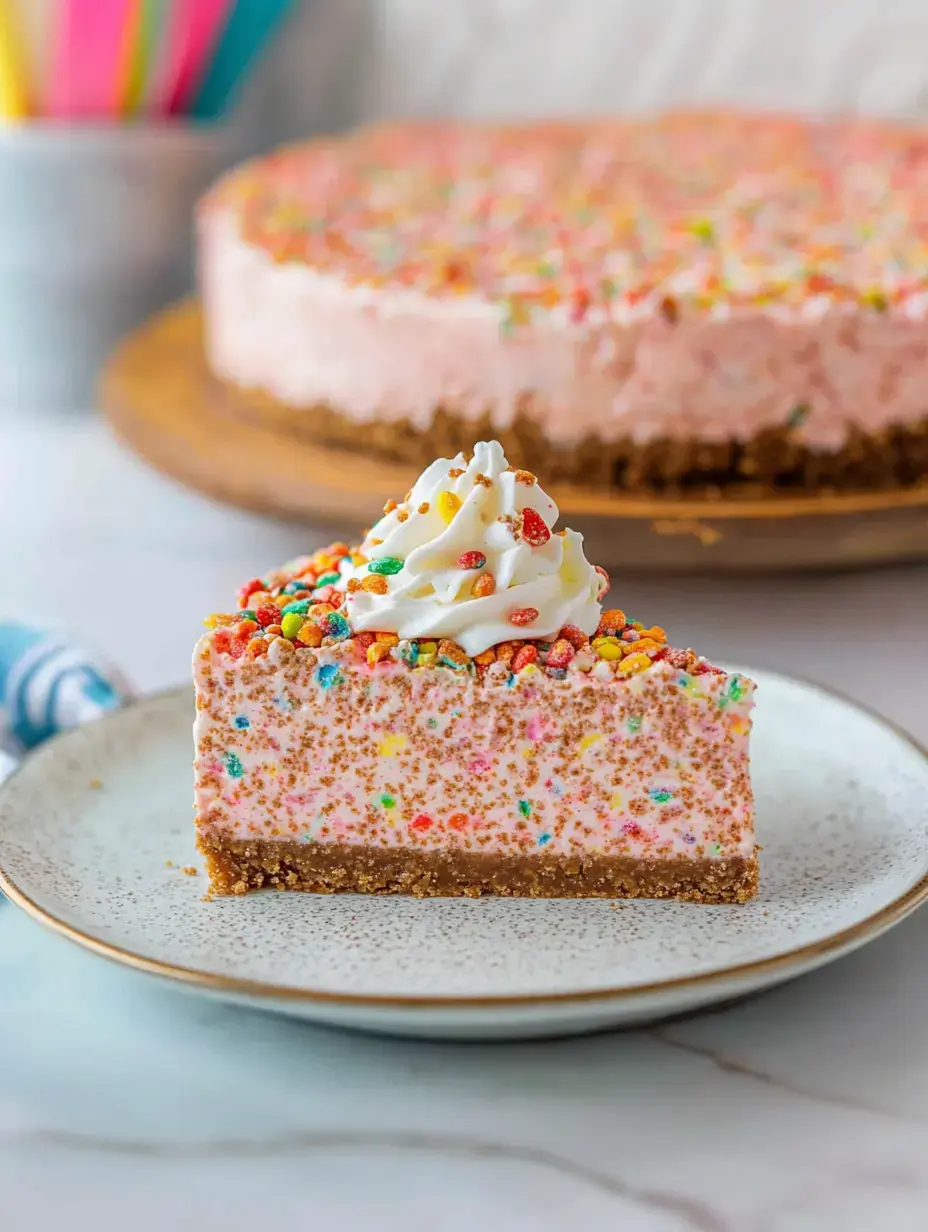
(802, 1110)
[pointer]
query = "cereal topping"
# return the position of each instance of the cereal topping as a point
(599, 221)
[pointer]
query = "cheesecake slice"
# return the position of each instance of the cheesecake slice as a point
(450, 710)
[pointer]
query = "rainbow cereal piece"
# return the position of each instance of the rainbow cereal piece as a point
(593, 761)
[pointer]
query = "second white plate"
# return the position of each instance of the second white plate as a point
(95, 831)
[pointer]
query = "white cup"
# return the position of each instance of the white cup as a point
(95, 234)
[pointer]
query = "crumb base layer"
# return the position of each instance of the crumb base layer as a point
(237, 866)
(772, 461)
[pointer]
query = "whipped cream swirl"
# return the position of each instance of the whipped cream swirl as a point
(462, 522)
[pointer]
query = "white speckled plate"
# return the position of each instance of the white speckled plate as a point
(96, 827)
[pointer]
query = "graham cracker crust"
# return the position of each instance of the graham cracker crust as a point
(237, 866)
(773, 461)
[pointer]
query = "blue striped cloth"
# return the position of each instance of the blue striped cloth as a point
(48, 685)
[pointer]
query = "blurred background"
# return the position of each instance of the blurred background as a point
(349, 60)
(95, 225)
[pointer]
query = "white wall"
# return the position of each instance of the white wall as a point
(343, 60)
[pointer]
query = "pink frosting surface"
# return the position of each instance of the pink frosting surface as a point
(325, 748)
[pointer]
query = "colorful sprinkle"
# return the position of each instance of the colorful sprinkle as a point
(660, 795)
(797, 415)
(471, 560)
(392, 744)
(522, 616)
(525, 808)
(451, 655)
(577, 638)
(611, 622)
(374, 584)
(484, 586)
(533, 528)
(233, 765)
(609, 649)
(560, 653)
(242, 722)
(335, 626)
(632, 664)
(386, 565)
(310, 635)
(329, 675)
(291, 624)
(248, 590)
(524, 657)
(691, 687)
(447, 505)
(543, 839)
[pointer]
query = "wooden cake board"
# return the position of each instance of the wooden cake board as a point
(160, 399)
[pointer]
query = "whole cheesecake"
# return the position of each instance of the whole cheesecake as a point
(693, 301)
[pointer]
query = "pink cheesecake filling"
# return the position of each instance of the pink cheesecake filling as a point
(389, 355)
(324, 748)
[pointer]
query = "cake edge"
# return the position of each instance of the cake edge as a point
(770, 463)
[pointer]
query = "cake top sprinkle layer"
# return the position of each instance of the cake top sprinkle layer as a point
(450, 578)
(686, 211)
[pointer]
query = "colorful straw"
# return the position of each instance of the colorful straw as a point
(250, 26)
(14, 100)
(36, 27)
(145, 34)
(116, 59)
(195, 30)
(90, 67)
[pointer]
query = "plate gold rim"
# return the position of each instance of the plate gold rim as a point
(846, 939)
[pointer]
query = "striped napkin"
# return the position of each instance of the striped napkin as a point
(48, 685)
